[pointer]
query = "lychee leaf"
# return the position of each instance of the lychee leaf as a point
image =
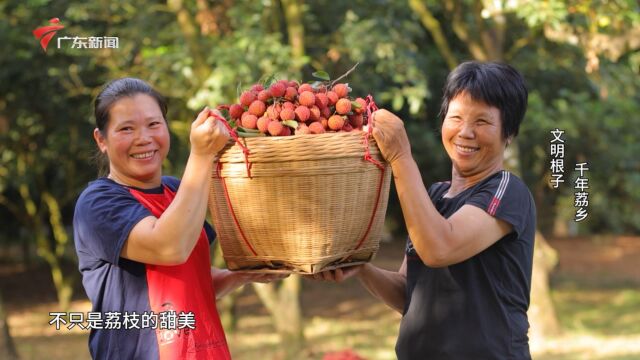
(290, 123)
(250, 134)
(238, 90)
(316, 84)
(269, 80)
(246, 130)
(356, 104)
(322, 75)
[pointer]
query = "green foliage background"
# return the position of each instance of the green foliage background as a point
(202, 52)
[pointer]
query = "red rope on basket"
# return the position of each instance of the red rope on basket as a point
(235, 137)
(371, 107)
(375, 210)
(233, 213)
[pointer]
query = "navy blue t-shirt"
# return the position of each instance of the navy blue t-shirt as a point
(105, 214)
(475, 309)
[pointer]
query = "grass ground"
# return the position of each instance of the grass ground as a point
(596, 291)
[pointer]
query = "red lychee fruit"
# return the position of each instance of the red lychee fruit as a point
(277, 90)
(316, 128)
(325, 112)
(263, 124)
(324, 122)
(249, 121)
(235, 111)
(287, 114)
(305, 87)
(247, 97)
(347, 127)
(286, 131)
(315, 113)
(322, 100)
(257, 88)
(273, 111)
(336, 122)
(290, 93)
(302, 129)
(275, 128)
(264, 95)
(307, 98)
(342, 90)
(343, 106)
(356, 120)
(288, 105)
(302, 113)
(257, 108)
(333, 97)
(363, 106)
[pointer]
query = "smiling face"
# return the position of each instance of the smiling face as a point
(472, 137)
(136, 140)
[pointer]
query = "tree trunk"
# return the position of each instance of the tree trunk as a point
(63, 282)
(295, 29)
(52, 254)
(283, 303)
(433, 26)
(7, 349)
(189, 30)
(542, 316)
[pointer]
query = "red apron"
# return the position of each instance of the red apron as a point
(187, 290)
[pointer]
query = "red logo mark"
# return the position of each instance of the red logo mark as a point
(46, 33)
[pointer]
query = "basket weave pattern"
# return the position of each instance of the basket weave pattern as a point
(312, 202)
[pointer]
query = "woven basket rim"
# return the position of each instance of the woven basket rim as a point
(299, 147)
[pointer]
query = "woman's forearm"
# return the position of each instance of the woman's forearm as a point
(183, 219)
(388, 286)
(224, 282)
(428, 230)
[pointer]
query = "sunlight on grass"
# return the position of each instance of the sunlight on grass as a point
(600, 323)
(592, 347)
(587, 310)
(372, 337)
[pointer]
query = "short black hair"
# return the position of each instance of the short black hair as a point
(496, 84)
(116, 90)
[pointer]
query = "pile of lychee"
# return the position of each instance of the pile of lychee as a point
(288, 108)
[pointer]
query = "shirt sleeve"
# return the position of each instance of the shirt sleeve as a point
(104, 216)
(507, 198)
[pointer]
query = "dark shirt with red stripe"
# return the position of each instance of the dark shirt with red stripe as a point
(475, 309)
(105, 214)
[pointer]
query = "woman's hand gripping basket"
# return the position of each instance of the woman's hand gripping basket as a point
(304, 203)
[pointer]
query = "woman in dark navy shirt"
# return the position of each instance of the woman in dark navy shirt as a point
(141, 238)
(463, 287)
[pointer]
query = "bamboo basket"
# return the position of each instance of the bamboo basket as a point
(310, 203)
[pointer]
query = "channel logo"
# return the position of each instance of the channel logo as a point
(46, 33)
